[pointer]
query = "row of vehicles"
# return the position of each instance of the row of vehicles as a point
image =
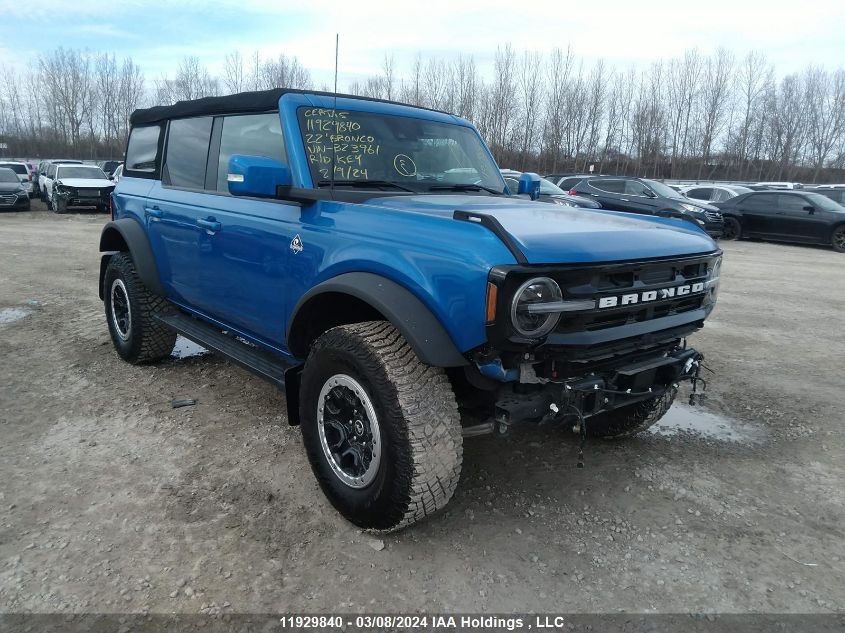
(774, 211)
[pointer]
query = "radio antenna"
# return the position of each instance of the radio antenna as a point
(334, 111)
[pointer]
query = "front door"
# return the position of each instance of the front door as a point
(798, 219)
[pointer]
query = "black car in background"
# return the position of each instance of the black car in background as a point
(649, 197)
(785, 216)
(13, 194)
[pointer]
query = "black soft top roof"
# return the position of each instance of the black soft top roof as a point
(258, 101)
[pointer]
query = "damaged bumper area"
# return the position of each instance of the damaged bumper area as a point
(84, 197)
(596, 393)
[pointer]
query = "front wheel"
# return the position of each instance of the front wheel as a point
(635, 418)
(732, 229)
(58, 204)
(381, 428)
(837, 240)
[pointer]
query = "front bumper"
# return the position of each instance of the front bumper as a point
(597, 392)
(77, 199)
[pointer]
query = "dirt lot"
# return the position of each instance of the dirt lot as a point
(112, 501)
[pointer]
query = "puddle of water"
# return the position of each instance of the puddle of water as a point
(683, 418)
(10, 315)
(185, 348)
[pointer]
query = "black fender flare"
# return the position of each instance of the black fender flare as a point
(423, 331)
(127, 234)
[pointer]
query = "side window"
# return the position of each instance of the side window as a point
(250, 135)
(762, 202)
(142, 150)
(567, 183)
(51, 171)
(635, 188)
(792, 203)
(611, 185)
(719, 195)
(512, 184)
(187, 152)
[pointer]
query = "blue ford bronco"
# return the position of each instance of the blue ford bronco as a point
(368, 258)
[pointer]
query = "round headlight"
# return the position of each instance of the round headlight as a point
(529, 316)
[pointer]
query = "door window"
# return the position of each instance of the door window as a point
(51, 171)
(187, 152)
(720, 195)
(611, 185)
(250, 135)
(793, 204)
(762, 202)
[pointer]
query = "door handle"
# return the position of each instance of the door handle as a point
(624, 199)
(153, 212)
(210, 224)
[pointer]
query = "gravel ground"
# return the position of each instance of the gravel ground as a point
(112, 501)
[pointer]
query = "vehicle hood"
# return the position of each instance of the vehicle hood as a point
(10, 187)
(548, 234)
(98, 183)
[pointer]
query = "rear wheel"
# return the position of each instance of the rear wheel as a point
(380, 427)
(837, 240)
(130, 311)
(732, 229)
(628, 421)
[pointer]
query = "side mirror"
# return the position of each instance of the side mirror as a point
(648, 193)
(529, 183)
(810, 208)
(256, 176)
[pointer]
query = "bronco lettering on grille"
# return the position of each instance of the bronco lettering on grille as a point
(651, 295)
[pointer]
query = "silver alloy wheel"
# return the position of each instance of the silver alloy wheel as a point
(349, 431)
(121, 310)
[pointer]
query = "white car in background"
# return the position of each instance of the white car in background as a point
(77, 186)
(23, 172)
(117, 174)
(713, 193)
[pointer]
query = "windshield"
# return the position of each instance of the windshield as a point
(413, 154)
(81, 172)
(7, 175)
(18, 169)
(664, 191)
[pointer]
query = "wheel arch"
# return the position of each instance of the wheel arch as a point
(356, 297)
(127, 235)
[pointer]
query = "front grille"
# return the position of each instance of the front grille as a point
(713, 216)
(631, 279)
(8, 199)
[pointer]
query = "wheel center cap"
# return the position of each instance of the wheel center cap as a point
(359, 427)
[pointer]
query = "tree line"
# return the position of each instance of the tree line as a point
(698, 116)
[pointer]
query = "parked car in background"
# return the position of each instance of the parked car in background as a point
(549, 192)
(837, 194)
(13, 195)
(41, 173)
(649, 197)
(77, 186)
(788, 216)
(712, 193)
(108, 166)
(22, 171)
(116, 175)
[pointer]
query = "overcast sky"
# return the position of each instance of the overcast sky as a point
(623, 32)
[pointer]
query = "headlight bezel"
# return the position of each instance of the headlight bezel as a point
(555, 295)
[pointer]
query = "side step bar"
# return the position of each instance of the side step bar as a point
(269, 366)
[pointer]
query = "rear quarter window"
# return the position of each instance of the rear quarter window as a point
(143, 151)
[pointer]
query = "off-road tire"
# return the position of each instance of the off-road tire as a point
(627, 421)
(837, 239)
(735, 230)
(148, 340)
(421, 443)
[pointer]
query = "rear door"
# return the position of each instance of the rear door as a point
(759, 211)
(610, 192)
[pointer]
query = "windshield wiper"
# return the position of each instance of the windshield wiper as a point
(465, 187)
(365, 184)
